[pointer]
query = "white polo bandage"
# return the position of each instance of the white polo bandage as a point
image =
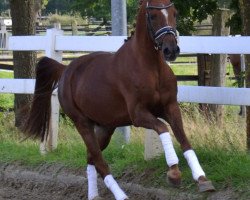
(111, 183)
(168, 147)
(194, 164)
(92, 182)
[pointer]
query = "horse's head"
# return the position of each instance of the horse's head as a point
(161, 24)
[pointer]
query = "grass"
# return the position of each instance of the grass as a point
(191, 69)
(220, 149)
(6, 100)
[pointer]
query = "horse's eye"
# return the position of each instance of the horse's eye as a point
(152, 17)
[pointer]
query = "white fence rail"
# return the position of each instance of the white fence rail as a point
(214, 95)
(215, 44)
(192, 94)
(53, 43)
(17, 86)
(188, 44)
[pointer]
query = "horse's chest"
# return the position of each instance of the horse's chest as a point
(148, 95)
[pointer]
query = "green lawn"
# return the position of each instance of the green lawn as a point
(221, 151)
(6, 100)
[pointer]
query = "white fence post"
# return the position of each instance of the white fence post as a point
(125, 131)
(3, 36)
(54, 122)
(50, 51)
(152, 144)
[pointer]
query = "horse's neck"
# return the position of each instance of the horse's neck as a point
(141, 43)
(145, 53)
(143, 46)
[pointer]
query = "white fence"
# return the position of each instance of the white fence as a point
(53, 43)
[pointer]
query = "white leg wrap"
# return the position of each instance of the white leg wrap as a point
(194, 164)
(168, 147)
(114, 188)
(92, 182)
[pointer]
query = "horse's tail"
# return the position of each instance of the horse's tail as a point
(48, 73)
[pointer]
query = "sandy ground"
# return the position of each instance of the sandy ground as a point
(56, 182)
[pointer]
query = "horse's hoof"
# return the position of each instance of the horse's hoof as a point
(174, 178)
(206, 186)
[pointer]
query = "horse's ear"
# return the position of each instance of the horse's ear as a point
(140, 2)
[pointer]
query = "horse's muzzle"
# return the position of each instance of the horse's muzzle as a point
(171, 52)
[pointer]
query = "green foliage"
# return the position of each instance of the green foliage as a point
(235, 22)
(60, 6)
(132, 9)
(224, 3)
(4, 5)
(192, 11)
(100, 9)
(44, 3)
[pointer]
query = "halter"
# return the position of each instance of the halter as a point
(162, 31)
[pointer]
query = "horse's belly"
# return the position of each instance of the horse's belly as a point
(105, 108)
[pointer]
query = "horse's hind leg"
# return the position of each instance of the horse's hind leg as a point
(86, 130)
(103, 136)
(173, 116)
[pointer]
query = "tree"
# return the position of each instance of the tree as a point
(39, 5)
(23, 23)
(190, 12)
(59, 6)
(100, 9)
(245, 15)
(219, 61)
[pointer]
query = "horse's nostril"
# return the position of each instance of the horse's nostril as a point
(166, 51)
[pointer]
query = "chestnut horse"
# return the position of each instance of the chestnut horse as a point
(134, 86)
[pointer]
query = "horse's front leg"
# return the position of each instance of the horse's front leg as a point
(141, 117)
(173, 117)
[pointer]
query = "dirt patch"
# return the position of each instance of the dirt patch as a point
(58, 182)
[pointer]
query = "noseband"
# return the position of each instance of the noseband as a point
(162, 31)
